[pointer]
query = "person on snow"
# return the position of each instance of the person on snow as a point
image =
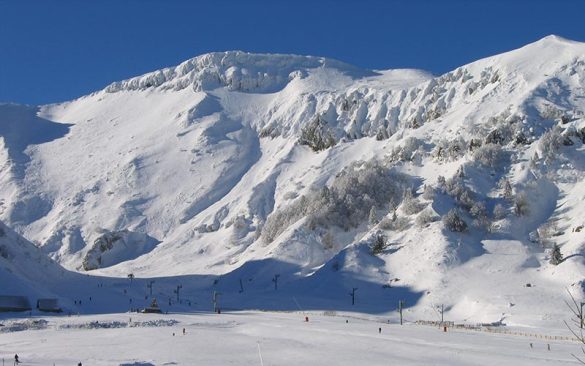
(16, 361)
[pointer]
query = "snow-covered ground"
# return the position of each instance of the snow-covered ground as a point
(252, 338)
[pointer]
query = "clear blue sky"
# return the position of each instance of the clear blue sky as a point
(52, 51)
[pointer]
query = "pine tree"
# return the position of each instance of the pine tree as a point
(556, 257)
(460, 172)
(507, 189)
(379, 245)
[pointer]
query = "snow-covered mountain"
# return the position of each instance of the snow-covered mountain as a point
(455, 187)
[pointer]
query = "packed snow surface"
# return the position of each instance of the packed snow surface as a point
(252, 338)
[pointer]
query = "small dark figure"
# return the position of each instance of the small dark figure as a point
(183, 331)
(379, 330)
(346, 321)
(16, 361)
(79, 364)
(307, 319)
(531, 346)
(173, 334)
(90, 298)
(548, 345)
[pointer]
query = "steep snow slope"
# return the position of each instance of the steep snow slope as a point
(201, 168)
(24, 269)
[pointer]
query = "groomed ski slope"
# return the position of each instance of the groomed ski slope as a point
(283, 339)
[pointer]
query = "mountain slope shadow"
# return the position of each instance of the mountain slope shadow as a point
(20, 127)
(326, 289)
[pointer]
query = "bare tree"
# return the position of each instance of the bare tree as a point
(575, 324)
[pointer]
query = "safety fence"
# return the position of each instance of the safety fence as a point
(495, 329)
(477, 327)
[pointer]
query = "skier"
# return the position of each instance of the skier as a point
(183, 331)
(16, 361)
(79, 364)
(379, 330)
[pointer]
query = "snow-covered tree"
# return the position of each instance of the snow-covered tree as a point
(410, 204)
(478, 209)
(449, 150)
(441, 183)
(556, 257)
(382, 134)
(497, 137)
(506, 188)
(550, 143)
(379, 244)
(328, 240)
(346, 203)
(480, 214)
(428, 192)
(499, 211)
(454, 222)
(408, 150)
(489, 155)
(373, 216)
(425, 217)
(317, 135)
(521, 205)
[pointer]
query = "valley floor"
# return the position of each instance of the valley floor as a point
(258, 338)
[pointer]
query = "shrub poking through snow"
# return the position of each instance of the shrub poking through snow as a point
(454, 222)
